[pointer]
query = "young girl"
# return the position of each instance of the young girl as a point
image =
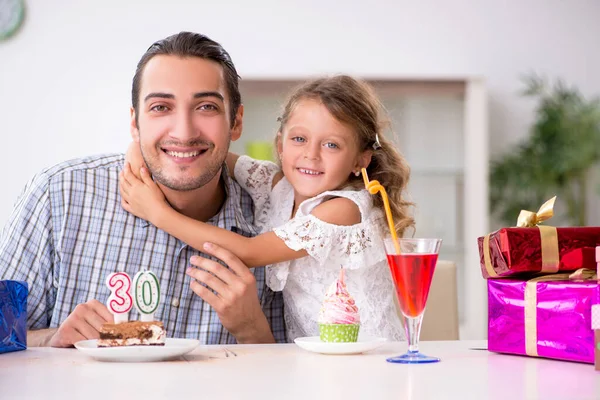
(313, 209)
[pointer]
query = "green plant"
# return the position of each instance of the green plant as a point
(556, 158)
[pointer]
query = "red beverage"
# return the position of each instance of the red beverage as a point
(412, 275)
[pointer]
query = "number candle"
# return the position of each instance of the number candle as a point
(119, 302)
(146, 291)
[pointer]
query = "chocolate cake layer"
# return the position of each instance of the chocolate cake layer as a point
(135, 333)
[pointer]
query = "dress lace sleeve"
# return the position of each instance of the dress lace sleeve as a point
(256, 178)
(331, 245)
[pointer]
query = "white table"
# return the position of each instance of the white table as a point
(288, 372)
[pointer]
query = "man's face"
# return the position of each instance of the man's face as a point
(183, 121)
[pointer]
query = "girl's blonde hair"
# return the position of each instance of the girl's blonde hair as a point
(354, 103)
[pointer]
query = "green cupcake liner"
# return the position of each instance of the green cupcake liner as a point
(339, 333)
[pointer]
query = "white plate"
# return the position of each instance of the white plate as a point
(364, 343)
(173, 348)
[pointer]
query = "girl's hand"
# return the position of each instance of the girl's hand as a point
(143, 198)
(134, 157)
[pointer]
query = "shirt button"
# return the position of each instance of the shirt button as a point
(175, 303)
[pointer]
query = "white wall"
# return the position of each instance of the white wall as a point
(65, 78)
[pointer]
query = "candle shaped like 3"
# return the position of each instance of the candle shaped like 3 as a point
(119, 302)
(146, 291)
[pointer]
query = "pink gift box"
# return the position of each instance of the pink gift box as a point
(553, 322)
(596, 315)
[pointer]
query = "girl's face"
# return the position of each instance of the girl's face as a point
(318, 153)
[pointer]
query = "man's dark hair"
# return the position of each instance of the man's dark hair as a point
(189, 44)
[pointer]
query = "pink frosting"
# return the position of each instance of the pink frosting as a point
(339, 307)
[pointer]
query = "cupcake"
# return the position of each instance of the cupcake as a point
(338, 319)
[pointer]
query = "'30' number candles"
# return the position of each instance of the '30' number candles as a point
(146, 295)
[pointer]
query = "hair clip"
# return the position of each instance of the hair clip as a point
(376, 145)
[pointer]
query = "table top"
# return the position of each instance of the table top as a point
(285, 371)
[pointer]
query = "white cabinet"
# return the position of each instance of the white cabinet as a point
(441, 128)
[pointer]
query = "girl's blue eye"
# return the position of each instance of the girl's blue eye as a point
(298, 139)
(331, 145)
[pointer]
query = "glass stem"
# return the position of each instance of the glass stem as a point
(413, 331)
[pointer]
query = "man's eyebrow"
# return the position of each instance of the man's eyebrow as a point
(159, 95)
(200, 95)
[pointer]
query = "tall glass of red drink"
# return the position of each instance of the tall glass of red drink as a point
(412, 270)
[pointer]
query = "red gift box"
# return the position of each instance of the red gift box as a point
(514, 251)
(534, 248)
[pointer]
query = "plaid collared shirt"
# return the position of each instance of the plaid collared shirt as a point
(68, 231)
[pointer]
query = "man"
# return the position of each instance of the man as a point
(68, 230)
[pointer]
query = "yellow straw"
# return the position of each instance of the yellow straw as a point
(373, 187)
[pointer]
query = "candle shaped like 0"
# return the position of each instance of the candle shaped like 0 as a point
(146, 291)
(119, 302)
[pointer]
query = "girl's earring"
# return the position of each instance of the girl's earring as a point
(356, 173)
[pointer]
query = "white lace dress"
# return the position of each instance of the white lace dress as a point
(359, 248)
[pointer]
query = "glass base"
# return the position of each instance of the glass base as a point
(413, 357)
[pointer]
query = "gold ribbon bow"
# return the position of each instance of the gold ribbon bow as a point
(529, 219)
(548, 238)
(582, 274)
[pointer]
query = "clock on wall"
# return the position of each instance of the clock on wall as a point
(12, 13)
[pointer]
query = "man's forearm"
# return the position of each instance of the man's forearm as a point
(40, 337)
(258, 331)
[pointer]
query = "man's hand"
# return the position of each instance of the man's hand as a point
(236, 301)
(82, 324)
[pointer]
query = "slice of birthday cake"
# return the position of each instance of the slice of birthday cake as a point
(146, 296)
(134, 333)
